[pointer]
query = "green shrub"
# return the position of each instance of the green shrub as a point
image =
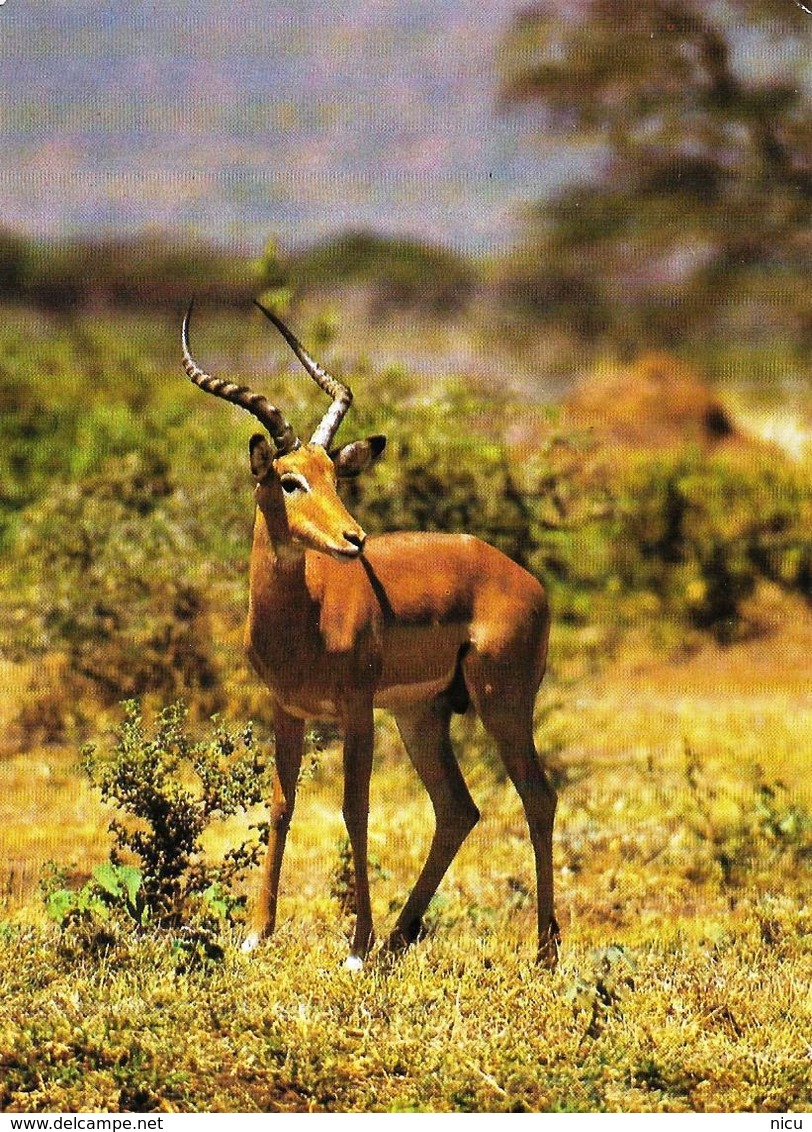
(92, 916)
(107, 578)
(167, 789)
(700, 533)
(30, 434)
(173, 787)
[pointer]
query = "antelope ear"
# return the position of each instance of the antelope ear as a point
(261, 456)
(353, 458)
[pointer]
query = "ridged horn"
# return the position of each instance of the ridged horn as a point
(281, 431)
(337, 390)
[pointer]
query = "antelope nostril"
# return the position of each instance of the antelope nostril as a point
(356, 538)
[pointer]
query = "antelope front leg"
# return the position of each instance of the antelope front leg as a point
(358, 744)
(289, 749)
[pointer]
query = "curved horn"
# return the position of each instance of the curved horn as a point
(281, 431)
(340, 393)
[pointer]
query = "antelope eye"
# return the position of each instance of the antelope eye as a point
(292, 483)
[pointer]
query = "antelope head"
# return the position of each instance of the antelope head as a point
(296, 483)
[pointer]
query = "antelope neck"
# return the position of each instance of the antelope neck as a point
(273, 540)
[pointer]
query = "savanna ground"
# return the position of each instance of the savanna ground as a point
(683, 842)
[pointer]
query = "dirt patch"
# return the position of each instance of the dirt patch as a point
(657, 401)
(773, 662)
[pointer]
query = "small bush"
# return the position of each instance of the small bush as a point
(168, 789)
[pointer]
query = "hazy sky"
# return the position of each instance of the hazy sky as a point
(237, 120)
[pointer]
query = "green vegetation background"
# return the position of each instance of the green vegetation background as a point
(683, 853)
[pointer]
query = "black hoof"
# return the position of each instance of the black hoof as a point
(403, 937)
(549, 947)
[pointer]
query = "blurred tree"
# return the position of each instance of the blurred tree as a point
(398, 273)
(13, 253)
(694, 215)
(152, 270)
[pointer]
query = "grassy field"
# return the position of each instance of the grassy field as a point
(683, 849)
(677, 726)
